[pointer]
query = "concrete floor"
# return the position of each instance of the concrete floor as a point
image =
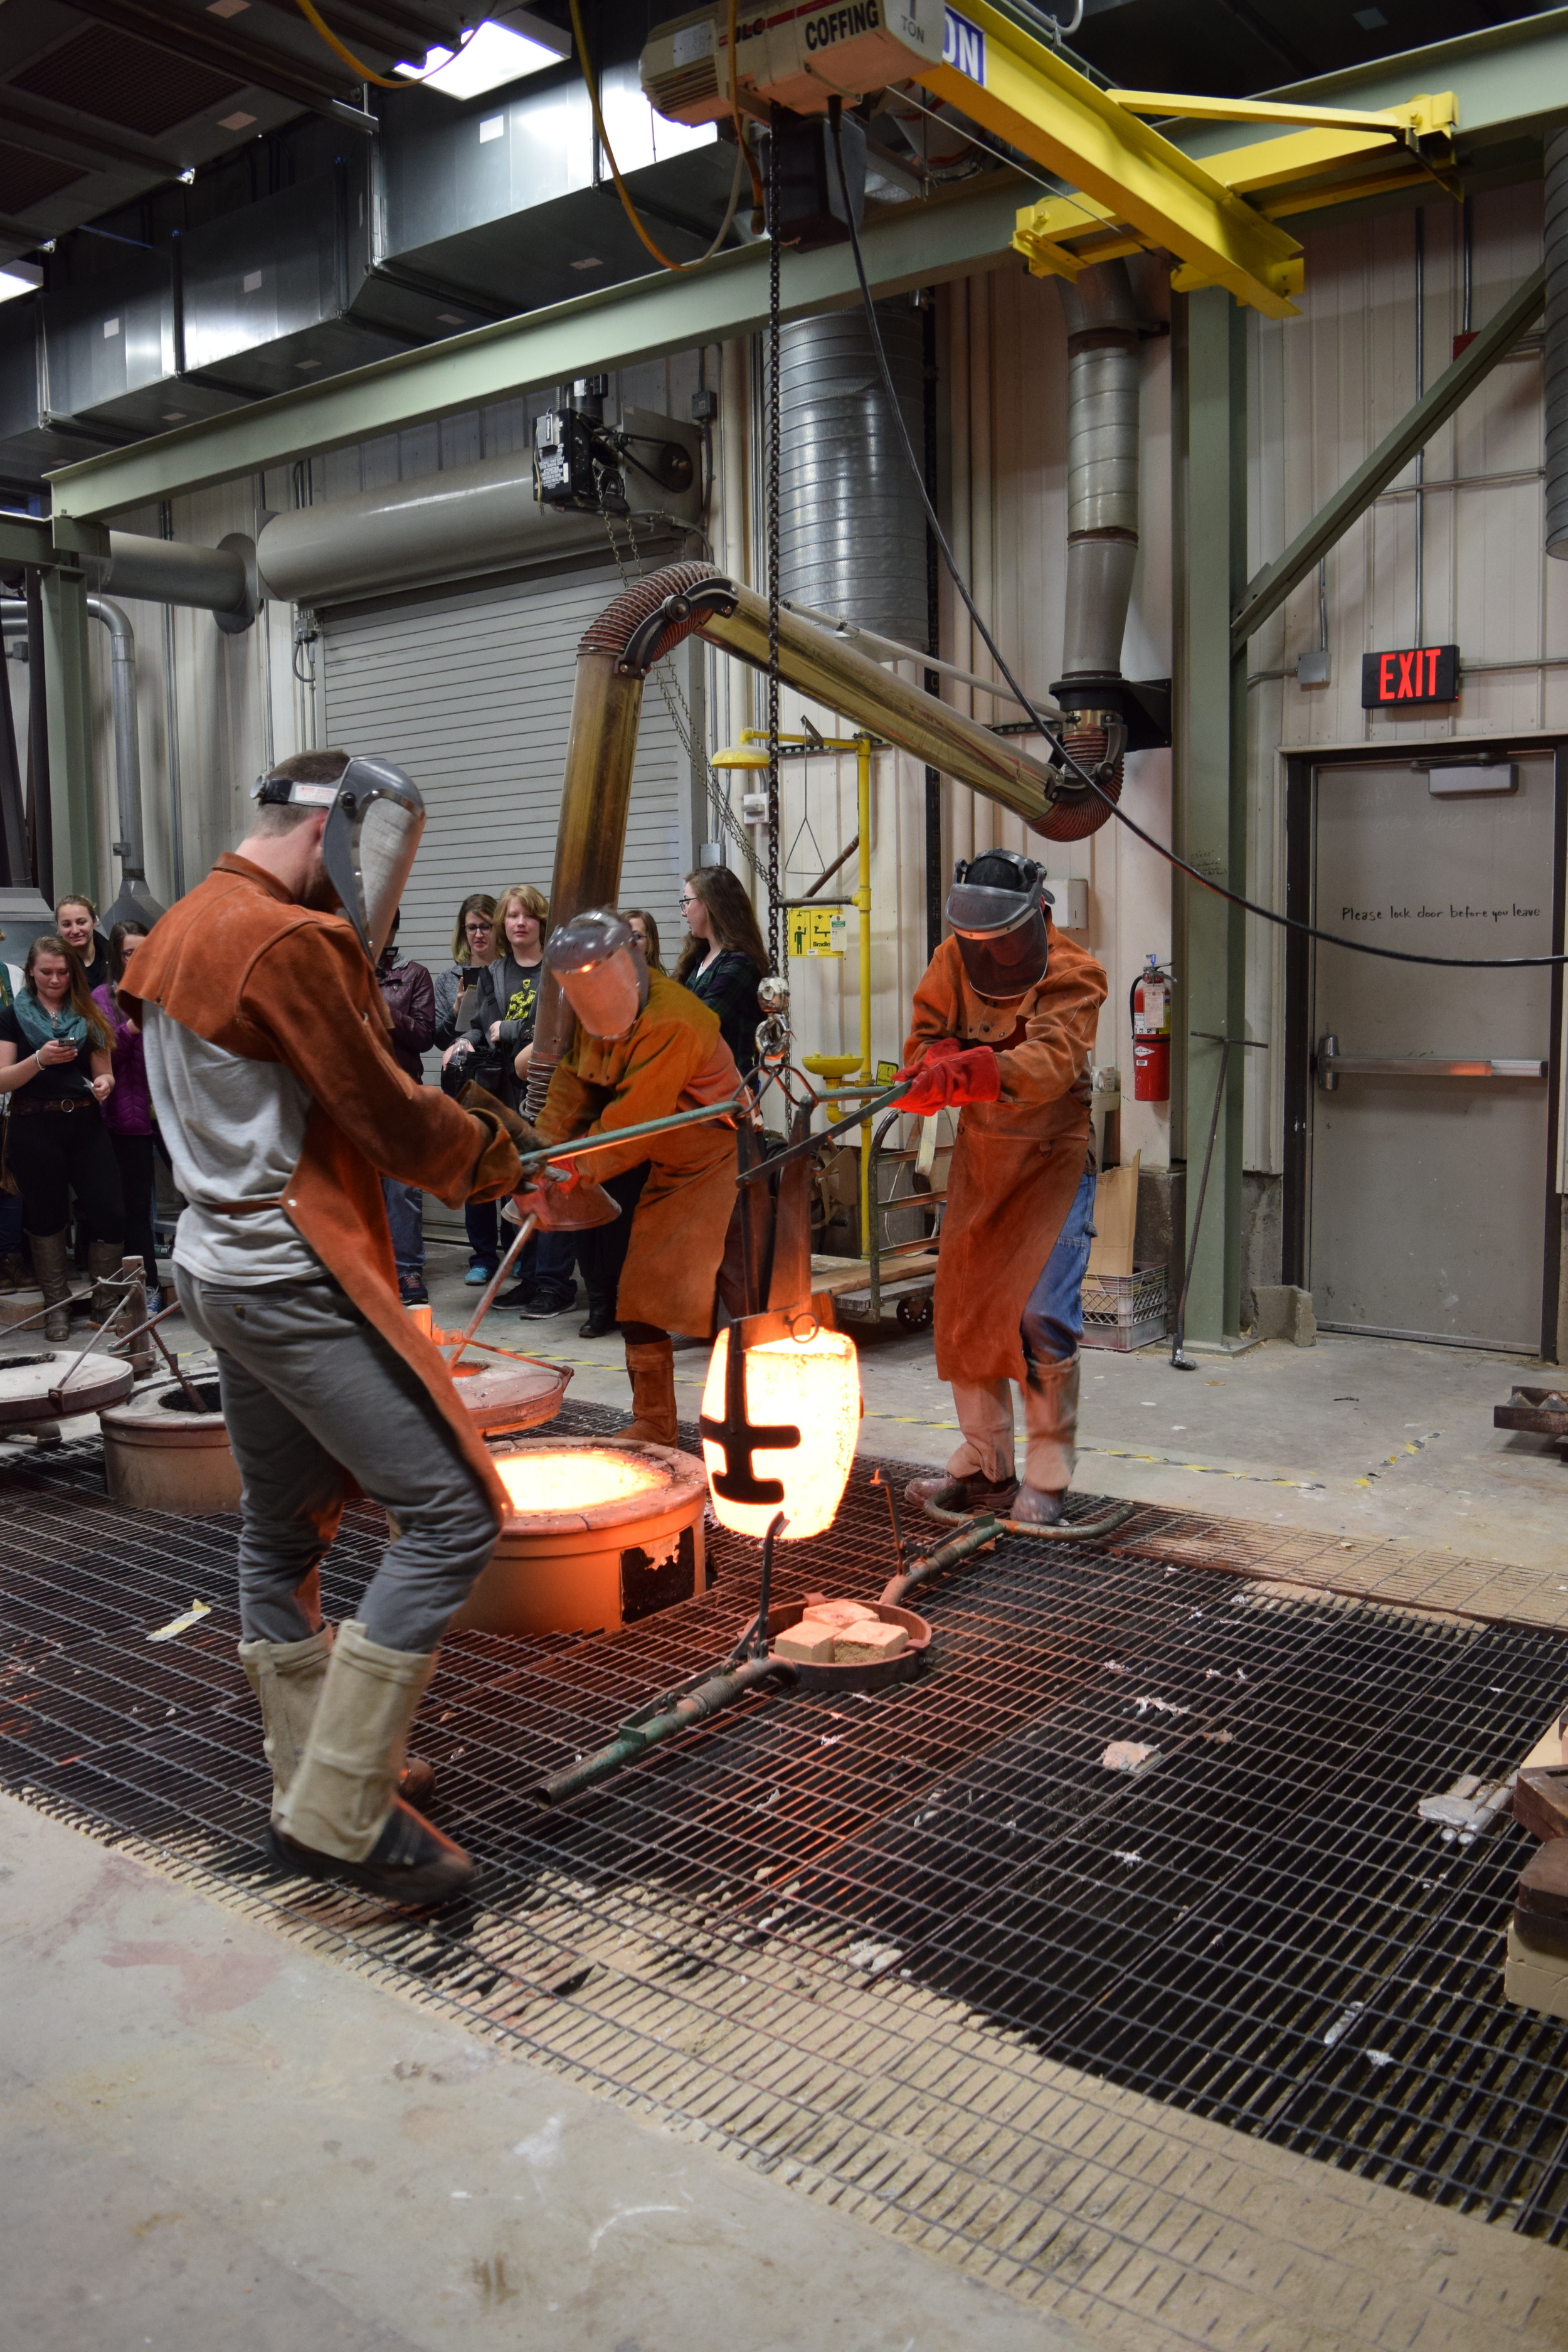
(216, 2138)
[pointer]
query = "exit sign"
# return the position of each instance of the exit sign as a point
(1415, 674)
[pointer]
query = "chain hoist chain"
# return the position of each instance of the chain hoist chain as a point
(680, 712)
(776, 927)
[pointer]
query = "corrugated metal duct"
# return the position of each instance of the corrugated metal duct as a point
(851, 529)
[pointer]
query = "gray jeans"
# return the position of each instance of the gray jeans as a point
(310, 1388)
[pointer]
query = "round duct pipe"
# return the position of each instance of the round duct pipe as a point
(852, 534)
(219, 580)
(472, 519)
(1555, 247)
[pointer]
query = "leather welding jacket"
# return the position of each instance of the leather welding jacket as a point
(672, 1058)
(1017, 1161)
(241, 964)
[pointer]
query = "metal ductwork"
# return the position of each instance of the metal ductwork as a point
(852, 534)
(1102, 534)
(463, 520)
(135, 901)
(1555, 246)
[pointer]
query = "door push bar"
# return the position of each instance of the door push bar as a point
(1333, 1066)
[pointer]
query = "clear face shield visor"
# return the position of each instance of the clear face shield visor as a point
(372, 834)
(601, 970)
(1002, 937)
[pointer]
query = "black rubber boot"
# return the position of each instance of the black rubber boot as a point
(967, 1497)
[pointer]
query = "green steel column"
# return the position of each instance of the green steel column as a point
(1209, 362)
(72, 798)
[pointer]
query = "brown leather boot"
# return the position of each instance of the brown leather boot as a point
(966, 1497)
(104, 1261)
(650, 1365)
(49, 1265)
(11, 1271)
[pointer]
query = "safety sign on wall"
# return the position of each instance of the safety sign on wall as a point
(1415, 674)
(816, 932)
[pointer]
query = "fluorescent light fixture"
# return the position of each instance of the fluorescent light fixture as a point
(19, 278)
(493, 54)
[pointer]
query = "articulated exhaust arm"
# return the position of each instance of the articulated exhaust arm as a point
(644, 624)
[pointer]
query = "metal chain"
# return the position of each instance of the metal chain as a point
(775, 893)
(680, 712)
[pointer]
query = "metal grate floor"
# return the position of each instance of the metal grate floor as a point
(1256, 1927)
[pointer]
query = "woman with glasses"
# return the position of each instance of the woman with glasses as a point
(128, 1112)
(723, 958)
(473, 950)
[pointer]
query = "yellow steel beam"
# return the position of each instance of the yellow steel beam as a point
(1272, 172)
(1024, 93)
(1432, 113)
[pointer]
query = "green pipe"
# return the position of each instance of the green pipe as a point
(970, 1539)
(635, 1739)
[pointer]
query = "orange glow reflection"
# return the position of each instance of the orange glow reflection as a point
(574, 1482)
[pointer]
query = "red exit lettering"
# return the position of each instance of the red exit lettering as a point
(1412, 674)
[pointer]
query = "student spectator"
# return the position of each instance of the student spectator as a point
(507, 998)
(645, 930)
(473, 947)
(409, 994)
(128, 1113)
(13, 1274)
(75, 922)
(724, 958)
(54, 1061)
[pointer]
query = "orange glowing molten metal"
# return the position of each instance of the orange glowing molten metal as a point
(575, 1481)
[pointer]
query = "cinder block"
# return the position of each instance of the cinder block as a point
(1544, 1883)
(1534, 1978)
(866, 1643)
(807, 1644)
(839, 1612)
(1283, 1312)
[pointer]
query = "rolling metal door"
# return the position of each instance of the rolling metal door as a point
(472, 694)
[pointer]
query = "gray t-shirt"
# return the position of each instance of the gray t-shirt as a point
(234, 1129)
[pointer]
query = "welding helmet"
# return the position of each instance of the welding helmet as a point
(996, 909)
(600, 970)
(375, 818)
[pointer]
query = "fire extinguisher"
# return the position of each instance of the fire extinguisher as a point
(1150, 1005)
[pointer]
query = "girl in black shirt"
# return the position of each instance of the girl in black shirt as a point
(724, 958)
(55, 1064)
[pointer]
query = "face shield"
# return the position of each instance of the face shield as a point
(600, 970)
(374, 819)
(996, 909)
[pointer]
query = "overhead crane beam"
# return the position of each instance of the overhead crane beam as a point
(1017, 88)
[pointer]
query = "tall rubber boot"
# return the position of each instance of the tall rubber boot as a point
(49, 1263)
(288, 1679)
(341, 1818)
(104, 1260)
(650, 1366)
(1050, 1425)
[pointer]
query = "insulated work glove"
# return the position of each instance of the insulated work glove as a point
(951, 1076)
(475, 1098)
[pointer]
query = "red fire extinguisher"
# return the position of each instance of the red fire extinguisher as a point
(1152, 1031)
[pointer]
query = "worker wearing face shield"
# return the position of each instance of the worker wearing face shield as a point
(646, 1047)
(1003, 1033)
(269, 1062)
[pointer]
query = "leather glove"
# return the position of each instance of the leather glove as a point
(947, 1079)
(477, 1098)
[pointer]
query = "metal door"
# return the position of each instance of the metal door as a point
(1429, 1106)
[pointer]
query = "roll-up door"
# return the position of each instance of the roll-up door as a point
(471, 692)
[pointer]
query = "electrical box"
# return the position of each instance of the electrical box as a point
(1069, 894)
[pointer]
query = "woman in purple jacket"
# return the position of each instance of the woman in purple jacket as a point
(128, 1113)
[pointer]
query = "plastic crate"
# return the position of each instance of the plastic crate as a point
(1125, 1310)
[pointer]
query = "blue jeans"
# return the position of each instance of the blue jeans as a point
(1052, 1321)
(405, 1217)
(480, 1223)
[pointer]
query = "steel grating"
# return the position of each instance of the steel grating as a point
(1256, 1927)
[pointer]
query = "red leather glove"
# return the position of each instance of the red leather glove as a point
(955, 1075)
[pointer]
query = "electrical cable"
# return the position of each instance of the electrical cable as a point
(1072, 767)
(621, 189)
